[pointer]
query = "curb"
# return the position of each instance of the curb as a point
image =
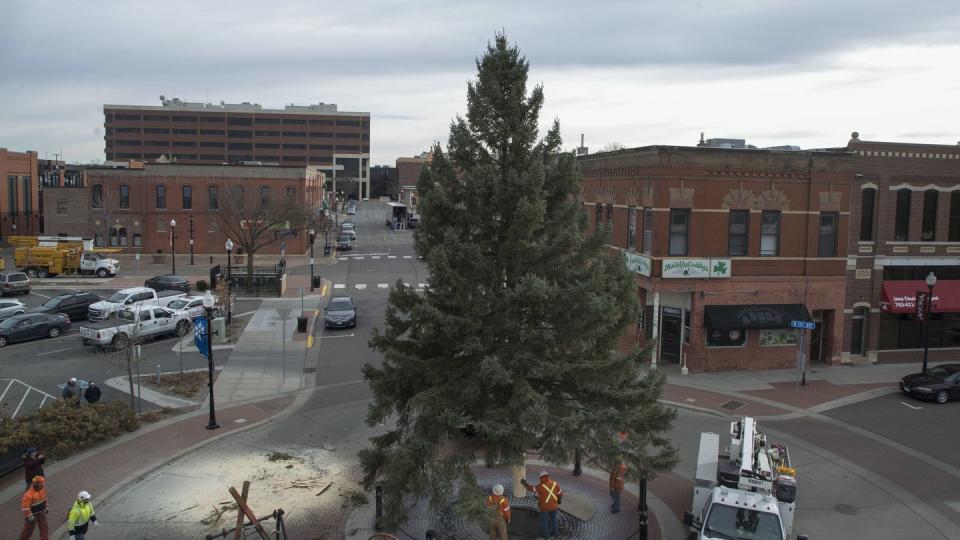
(157, 398)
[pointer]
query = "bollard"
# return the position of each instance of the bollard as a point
(378, 498)
(643, 509)
(158, 373)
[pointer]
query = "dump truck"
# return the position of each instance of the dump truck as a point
(45, 256)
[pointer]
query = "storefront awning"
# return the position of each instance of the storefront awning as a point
(757, 316)
(901, 296)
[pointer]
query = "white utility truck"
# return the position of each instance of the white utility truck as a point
(134, 296)
(135, 324)
(746, 494)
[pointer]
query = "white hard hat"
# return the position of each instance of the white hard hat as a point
(73, 379)
(497, 489)
(83, 495)
(543, 473)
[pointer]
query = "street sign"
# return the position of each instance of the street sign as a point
(201, 334)
(803, 325)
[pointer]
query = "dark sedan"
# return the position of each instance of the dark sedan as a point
(32, 326)
(941, 383)
(168, 282)
(340, 313)
(72, 304)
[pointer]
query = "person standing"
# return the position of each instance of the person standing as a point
(33, 461)
(70, 392)
(34, 506)
(92, 393)
(80, 517)
(500, 513)
(549, 495)
(618, 474)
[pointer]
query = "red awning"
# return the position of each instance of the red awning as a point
(901, 296)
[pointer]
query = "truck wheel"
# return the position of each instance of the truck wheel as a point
(31, 272)
(53, 332)
(120, 342)
(102, 273)
(42, 273)
(85, 341)
(182, 328)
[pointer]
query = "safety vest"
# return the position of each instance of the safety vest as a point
(34, 502)
(79, 514)
(502, 504)
(548, 495)
(617, 475)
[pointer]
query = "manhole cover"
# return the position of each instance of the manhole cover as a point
(309, 370)
(847, 509)
(732, 405)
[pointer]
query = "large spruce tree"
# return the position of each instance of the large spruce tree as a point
(517, 332)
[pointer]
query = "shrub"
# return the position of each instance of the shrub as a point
(202, 285)
(62, 429)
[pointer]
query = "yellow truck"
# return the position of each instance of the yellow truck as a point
(49, 256)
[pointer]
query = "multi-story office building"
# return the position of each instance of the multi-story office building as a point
(729, 246)
(336, 142)
(383, 181)
(905, 224)
(19, 194)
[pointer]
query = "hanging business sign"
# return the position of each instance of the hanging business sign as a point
(696, 268)
(639, 264)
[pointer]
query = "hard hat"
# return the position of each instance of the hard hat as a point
(543, 473)
(497, 489)
(37, 480)
(73, 379)
(30, 450)
(83, 496)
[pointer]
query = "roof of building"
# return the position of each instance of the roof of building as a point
(208, 171)
(175, 104)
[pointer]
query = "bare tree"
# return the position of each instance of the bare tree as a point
(613, 146)
(104, 211)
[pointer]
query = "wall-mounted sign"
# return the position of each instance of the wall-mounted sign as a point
(696, 268)
(639, 264)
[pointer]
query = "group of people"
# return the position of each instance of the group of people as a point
(71, 392)
(35, 504)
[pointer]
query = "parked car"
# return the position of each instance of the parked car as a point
(349, 231)
(413, 221)
(168, 282)
(351, 210)
(344, 243)
(74, 305)
(135, 323)
(194, 304)
(14, 283)
(128, 297)
(340, 313)
(32, 326)
(941, 383)
(9, 308)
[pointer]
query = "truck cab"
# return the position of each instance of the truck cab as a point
(733, 514)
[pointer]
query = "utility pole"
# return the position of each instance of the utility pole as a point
(191, 240)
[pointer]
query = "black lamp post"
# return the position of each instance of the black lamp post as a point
(208, 303)
(931, 281)
(312, 233)
(229, 247)
(191, 240)
(173, 245)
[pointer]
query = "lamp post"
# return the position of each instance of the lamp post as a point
(312, 232)
(208, 303)
(191, 240)
(229, 247)
(173, 245)
(931, 281)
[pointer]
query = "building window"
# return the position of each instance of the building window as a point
(12, 195)
(27, 198)
(679, 232)
(291, 193)
(776, 337)
(187, 197)
(609, 219)
(98, 240)
(264, 196)
(118, 237)
(770, 233)
(868, 199)
(124, 196)
(599, 212)
(97, 196)
(954, 231)
(162, 225)
(240, 121)
(212, 202)
(61, 208)
(928, 230)
(827, 244)
(901, 226)
(137, 240)
(738, 233)
(736, 337)
(213, 225)
(647, 242)
(859, 331)
(632, 228)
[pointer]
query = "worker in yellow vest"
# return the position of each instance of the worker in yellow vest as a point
(80, 517)
(499, 507)
(549, 496)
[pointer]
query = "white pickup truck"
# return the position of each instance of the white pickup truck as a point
(138, 296)
(96, 263)
(135, 324)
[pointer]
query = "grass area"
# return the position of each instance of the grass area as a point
(188, 385)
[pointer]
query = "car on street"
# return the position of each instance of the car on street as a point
(340, 312)
(135, 324)
(351, 210)
(194, 304)
(32, 326)
(128, 297)
(413, 221)
(349, 231)
(14, 283)
(940, 383)
(168, 282)
(344, 243)
(9, 308)
(74, 304)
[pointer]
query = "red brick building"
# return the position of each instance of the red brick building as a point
(905, 224)
(408, 173)
(19, 194)
(131, 208)
(729, 246)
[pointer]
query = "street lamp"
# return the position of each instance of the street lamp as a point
(312, 232)
(931, 281)
(208, 303)
(229, 247)
(173, 245)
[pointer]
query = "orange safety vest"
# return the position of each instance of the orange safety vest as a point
(548, 494)
(617, 475)
(502, 504)
(34, 502)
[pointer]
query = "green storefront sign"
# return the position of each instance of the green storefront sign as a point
(696, 268)
(638, 264)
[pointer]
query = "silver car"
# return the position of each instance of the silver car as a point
(9, 308)
(14, 283)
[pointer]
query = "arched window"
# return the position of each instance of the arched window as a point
(868, 200)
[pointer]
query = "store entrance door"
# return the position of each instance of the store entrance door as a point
(817, 337)
(671, 334)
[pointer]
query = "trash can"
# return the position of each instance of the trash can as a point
(302, 324)
(316, 282)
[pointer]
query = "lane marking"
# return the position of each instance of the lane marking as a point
(323, 290)
(309, 342)
(361, 286)
(59, 351)
(391, 256)
(383, 285)
(339, 336)
(375, 257)
(343, 258)
(339, 286)
(911, 406)
(408, 256)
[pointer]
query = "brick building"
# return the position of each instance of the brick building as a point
(905, 223)
(728, 246)
(19, 193)
(408, 172)
(336, 142)
(131, 208)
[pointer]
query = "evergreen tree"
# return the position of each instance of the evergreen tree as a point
(517, 332)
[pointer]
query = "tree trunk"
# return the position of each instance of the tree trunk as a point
(130, 356)
(519, 471)
(249, 269)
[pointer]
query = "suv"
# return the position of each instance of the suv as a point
(343, 242)
(168, 282)
(72, 304)
(14, 282)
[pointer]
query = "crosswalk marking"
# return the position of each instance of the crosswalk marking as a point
(391, 256)
(339, 286)
(383, 285)
(421, 285)
(375, 257)
(358, 258)
(408, 256)
(360, 286)
(343, 258)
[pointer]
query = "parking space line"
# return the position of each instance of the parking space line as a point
(38, 294)
(911, 406)
(24, 398)
(4, 394)
(59, 351)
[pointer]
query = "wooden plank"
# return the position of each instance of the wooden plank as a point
(239, 530)
(247, 511)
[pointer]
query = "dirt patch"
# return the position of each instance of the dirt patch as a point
(188, 385)
(236, 327)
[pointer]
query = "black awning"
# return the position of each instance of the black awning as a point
(754, 316)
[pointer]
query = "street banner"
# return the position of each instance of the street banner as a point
(201, 334)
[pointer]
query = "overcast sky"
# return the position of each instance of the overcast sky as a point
(636, 72)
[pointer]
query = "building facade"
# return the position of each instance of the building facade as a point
(19, 194)
(336, 142)
(905, 224)
(408, 173)
(384, 182)
(729, 246)
(131, 208)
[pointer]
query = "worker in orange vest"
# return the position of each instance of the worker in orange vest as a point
(500, 513)
(549, 497)
(34, 506)
(618, 474)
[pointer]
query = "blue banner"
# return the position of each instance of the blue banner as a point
(201, 334)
